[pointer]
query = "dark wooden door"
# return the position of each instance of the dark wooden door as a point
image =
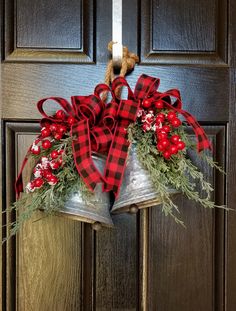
(58, 47)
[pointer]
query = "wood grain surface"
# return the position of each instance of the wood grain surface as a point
(190, 33)
(147, 263)
(188, 261)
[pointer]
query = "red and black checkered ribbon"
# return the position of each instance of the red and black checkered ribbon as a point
(98, 125)
(119, 114)
(88, 133)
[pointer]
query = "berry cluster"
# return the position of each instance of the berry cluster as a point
(53, 131)
(164, 125)
(43, 171)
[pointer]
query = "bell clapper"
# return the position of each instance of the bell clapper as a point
(97, 226)
(133, 209)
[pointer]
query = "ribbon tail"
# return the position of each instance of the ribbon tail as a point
(116, 160)
(202, 139)
(19, 179)
(81, 146)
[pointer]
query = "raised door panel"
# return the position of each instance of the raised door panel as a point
(49, 31)
(44, 269)
(184, 32)
(185, 269)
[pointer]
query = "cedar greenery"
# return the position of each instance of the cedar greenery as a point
(178, 172)
(51, 199)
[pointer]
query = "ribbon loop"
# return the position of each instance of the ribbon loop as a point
(118, 83)
(61, 101)
(146, 86)
(103, 88)
(88, 107)
(101, 138)
(110, 114)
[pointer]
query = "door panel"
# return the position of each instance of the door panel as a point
(184, 32)
(55, 31)
(147, 262)
(189, 262)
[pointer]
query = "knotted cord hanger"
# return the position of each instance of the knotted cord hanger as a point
(128, 62)
(122, 58)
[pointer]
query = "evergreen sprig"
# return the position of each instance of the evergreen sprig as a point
(179, 172)
(50, 199)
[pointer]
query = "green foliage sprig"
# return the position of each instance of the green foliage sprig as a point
(50, 199)
(179, 172)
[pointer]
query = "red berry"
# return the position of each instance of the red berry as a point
(171, 115)
(61, 152)
(55, 165)
(159, 105)
(60, 160)
(176, 122)
(35, 150)
(53, 180)
(60, 114)
(71, 120)
(47, 174)
(38, 182)
(166, 128)
(46, 144)
(173, 149)
(161, 135)
(54, 154)
(57, 136)
(45, 132)
(161, 116)
(45, 123)
(61, 129)
(181, 145)
(159, 120)
(53, 127)
(175, 139)
(146, 103)
(166, 154)
(165, 143)
(160, 147)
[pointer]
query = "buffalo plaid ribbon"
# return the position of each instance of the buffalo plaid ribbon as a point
(88, 133)
(95, 128)
(118, 114)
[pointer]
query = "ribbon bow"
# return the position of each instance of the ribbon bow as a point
(95, 129)
(103, 128)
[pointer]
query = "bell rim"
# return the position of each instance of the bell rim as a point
(71, 215)
(144, 203)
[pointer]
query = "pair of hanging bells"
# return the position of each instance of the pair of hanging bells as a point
(136, 192)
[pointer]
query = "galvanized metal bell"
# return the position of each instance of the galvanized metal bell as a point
(136, 190)
(96, 209)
